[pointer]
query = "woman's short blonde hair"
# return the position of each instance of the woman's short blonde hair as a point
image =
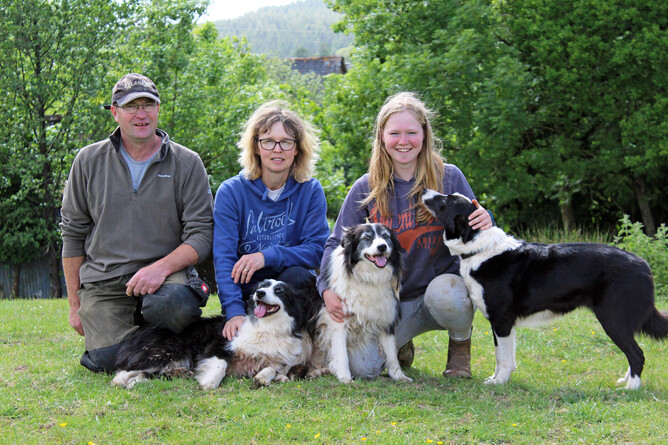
(261, 121)
(430, 164)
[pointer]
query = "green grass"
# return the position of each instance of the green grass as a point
(563, 392)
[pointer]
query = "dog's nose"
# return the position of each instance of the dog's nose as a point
(260, 293)
(382, 247)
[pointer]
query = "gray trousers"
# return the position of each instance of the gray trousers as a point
(445, 305)
(108, 314)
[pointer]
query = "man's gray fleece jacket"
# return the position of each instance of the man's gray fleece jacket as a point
(119, 231)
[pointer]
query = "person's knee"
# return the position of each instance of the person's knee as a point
(173, 307)
(296, 276)
(448, 302)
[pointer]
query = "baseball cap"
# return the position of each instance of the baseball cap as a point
(130, 87)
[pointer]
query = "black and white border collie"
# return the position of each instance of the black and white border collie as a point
(269, 344)
(365, 271)
(515, 283)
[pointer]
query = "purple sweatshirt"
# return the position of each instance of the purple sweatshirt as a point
(425, 256)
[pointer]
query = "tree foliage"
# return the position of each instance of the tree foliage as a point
(551, 109)
(51, 63)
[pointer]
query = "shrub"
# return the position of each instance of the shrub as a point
(654, 250)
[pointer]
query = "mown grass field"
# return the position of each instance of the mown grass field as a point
(563, 392)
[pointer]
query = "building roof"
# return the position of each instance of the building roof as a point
(319, 65)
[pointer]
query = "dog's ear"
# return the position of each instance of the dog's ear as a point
(397, 255)
(349, 246)
(466, 232)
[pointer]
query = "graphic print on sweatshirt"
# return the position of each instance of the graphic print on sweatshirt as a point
(427, 236)
(263, 230)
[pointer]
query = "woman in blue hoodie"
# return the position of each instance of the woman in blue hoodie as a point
(270, 220)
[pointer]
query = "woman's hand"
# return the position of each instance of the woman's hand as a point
(480, 218)
(232, 326)
(247, 265)
(334, 306)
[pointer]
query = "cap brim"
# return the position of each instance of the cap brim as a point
(132, 96)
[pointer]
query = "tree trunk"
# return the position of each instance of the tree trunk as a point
(16, 280)
(55, 283)
(567, 216)
(643, 205)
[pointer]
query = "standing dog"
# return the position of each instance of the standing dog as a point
(515, 283)
(268, 345)
(365, 271)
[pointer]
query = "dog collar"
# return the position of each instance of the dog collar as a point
(466, 256)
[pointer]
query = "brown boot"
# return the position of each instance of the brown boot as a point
(406, 354)
(459, 359)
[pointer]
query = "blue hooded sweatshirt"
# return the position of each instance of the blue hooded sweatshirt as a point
(291, 231)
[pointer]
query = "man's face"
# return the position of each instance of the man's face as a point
(138, 127)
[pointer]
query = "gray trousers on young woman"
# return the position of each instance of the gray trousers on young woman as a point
(444, 306)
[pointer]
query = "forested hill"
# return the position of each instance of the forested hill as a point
(300, 29)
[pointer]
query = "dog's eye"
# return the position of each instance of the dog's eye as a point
(366, 236)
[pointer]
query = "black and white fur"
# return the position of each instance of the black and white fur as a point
(269, 344)
(365, 272)
(515, 283)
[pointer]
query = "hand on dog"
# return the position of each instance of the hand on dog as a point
(232, 326)
(247, 265)
(480, 218)
(334, 306)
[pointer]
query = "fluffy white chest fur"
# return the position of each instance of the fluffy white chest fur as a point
(275, 335)
(369, 295)
(488, 244)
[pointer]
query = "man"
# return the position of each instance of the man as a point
(136, 216)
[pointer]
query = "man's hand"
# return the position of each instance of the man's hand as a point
(147, 280)
(75, 321)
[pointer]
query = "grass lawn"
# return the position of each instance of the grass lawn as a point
(563, 392)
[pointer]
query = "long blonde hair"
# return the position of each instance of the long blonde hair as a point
(261, 121)
(430, 165)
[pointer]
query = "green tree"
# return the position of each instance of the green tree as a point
(552, 109)
(52, 59)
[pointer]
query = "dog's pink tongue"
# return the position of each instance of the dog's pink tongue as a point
(381, 260)
(260, 310)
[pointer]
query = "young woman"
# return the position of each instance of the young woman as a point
(404, 161)
(270, 220)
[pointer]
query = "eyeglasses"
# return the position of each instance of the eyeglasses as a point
(270, 144)
(149, 107)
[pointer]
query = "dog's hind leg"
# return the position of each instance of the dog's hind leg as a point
(616, 325)
(389, 345)
(505, 359)
(210, 372)
(338, 353)
(128, 379)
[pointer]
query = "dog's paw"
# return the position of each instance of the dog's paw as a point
(128, 379)
(210, 372)
(317, 372)
(265, 377)
(402, 378)
(281, 378)
(631, 382)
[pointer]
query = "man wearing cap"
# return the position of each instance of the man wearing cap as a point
(136, 216)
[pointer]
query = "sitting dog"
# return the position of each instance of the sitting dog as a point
(515, 283)
(270, 343)
(365, 272)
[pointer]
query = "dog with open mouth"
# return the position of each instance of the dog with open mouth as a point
(517, 283)
(365, 272)
(273, 341)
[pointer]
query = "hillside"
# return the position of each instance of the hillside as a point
(300, 29)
